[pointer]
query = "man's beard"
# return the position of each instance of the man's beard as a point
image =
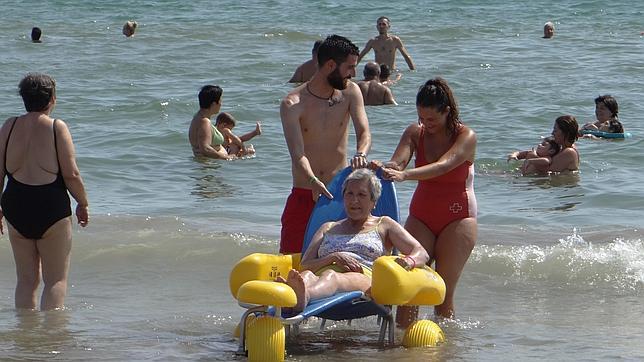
(336, 81)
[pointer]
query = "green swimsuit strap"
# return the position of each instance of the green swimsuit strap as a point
(217, 137)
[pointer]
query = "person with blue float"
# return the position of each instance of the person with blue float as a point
(607, 124)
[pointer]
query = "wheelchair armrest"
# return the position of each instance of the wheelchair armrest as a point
(262, 267)
(394, 285)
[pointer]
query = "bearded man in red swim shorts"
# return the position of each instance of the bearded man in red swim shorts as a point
(315, 119)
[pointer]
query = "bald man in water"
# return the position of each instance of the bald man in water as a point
(548, 30)
(385, 46)
(374, 92)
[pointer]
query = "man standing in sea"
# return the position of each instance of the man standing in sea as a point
(315, 118)
(385, 46)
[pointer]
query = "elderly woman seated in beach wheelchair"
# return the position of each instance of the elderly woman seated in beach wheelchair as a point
(345, 271)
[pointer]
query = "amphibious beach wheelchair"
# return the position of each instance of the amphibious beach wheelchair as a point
(262, 332)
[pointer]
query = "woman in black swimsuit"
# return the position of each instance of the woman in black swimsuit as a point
(37, 156)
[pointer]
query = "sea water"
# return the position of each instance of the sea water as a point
(558, 269)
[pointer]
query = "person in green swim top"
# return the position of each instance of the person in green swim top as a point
(234, 144)
(206, 140)
(341, 253)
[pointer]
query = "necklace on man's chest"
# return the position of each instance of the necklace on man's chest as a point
(331, 100)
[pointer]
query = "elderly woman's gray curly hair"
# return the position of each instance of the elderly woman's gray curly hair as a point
(372, 180)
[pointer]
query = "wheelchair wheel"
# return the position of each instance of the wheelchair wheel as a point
(237, 329)
(423, 333)
(265, 339)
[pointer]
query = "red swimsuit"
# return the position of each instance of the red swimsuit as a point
(442, 199)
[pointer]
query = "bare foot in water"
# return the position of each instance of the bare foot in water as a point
(296, 282)
(258, 128)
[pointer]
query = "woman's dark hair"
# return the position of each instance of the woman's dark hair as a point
(208, 95)
(36, 33)
(37, 90)
(568, 125)
(385, 72)
(615, 126)
(610, 102)
(435, 93)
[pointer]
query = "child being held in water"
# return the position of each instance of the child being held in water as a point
(547, 149)
(233, 143)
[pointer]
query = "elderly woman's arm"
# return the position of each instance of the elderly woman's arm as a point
(70, 172)
(4, 133)
(401, 239)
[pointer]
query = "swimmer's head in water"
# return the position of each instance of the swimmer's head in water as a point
(436, 94)
(208, 95)
(226, 119)
(371, 70)
(606, 107)
(547, 148)
(129, 28)
(37, 91)
(548, 30)
(385, 72)
(36, 33)
(316, 46)
(567, 128)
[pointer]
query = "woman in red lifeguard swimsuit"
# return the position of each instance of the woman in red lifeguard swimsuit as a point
(442, 212)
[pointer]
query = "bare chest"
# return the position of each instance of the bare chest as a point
(384, 45)
(322, 117)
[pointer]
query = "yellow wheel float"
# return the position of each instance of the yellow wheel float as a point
(265, 339)
(423, 333)
(237, 331)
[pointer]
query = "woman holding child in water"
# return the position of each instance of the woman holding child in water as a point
(39, 161)
(442, 212)
(342, 253)
(217, 141)
(564, 133)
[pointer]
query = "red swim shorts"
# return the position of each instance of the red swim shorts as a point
(297, 212)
